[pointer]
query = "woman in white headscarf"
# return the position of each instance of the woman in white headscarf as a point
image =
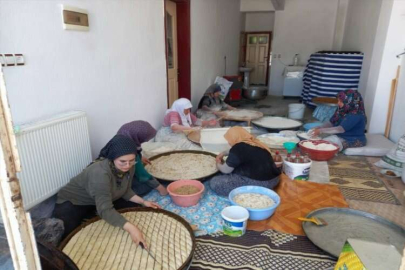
(178, 120)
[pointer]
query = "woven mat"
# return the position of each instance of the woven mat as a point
(358, 181)
(298, 198)
(259, 250)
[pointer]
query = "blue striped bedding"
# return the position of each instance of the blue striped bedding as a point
(327, 74)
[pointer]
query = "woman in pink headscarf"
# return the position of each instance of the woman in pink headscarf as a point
(140, 132)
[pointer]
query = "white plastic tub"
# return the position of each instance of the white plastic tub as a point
(235, 220)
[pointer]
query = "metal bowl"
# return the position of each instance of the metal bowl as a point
(255, 93)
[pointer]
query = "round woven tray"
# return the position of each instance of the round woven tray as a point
(195, 137)
(179, 167)
(98, 245)
(228, 115)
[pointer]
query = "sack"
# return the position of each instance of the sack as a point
(395, 159)
(225, 85)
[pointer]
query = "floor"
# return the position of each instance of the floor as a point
(277, 106)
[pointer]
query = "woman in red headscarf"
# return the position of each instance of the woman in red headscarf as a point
(347, 125)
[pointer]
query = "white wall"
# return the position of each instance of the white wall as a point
(360, 32)
(116, 72)
(259, 21)
(398, 119)
(382, 75)
(215, 31)
(256, 5)
(303, 27)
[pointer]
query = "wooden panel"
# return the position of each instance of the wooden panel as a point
(262, 54)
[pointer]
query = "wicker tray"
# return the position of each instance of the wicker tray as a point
(98, 245)
(194, 137)
(200, 177)
(329, 101)
(227, 115)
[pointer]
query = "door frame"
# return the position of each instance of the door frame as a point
(268, 53)
(183, 48)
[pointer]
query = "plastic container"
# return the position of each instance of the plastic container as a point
(257, 214)
(297, 171)
(309, 126)
(235, 220)
(185, 200)
(296, 111)
(318, 155)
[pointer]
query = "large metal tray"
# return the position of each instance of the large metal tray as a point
(344, 223)
(260, 123)
(184, 152)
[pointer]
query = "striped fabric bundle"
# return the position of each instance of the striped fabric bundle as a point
(328, 73)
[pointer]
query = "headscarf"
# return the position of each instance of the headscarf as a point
(214, 88)
(238, 134)
(117, 147)
(179, 106)
(138, 131)
(352, 104)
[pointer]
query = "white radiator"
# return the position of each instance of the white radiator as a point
(51, 153)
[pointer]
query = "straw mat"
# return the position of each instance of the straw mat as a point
(357, 180)
(99, 245)
(298, 198)
(270, 250)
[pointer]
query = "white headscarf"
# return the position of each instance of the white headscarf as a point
(179, 106)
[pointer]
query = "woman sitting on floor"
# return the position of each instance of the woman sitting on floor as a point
(348, 123)
(140, 132)
(249, 162)
(104, 186)
(179, 119)
(211, 103)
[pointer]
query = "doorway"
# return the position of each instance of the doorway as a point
(178, 50)
(257, 56)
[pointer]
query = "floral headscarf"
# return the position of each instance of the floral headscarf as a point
(138, 131)
(352, 104)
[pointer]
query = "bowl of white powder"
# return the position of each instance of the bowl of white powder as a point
(259, 201)
(319, 150)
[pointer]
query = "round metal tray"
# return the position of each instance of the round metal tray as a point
(344, 223)
(184, 152)
(277, 146)
(260, 123)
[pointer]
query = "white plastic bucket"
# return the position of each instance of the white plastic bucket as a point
(296, 111)
(235, 220)
(297, 171)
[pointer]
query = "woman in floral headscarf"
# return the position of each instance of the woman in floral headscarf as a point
(348, 123)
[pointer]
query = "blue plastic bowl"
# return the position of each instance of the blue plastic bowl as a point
(257, 214)
(309, 126)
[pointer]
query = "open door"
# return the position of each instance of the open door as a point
(171, 51)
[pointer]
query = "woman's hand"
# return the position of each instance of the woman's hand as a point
(220, 158)
(135, 233)
(145, 161)
(212, 122)
(162, 190)
(314, 132)
(152, 205)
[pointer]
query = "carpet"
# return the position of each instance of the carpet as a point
(298, 198)
(205, 215)
(259, 250)
(357, 180)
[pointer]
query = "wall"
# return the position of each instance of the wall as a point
(360, 32)
(259, 21)
(383, 70)
(340, 24)
(116, 72)
(398, 119)
(215, 31)
(256, 5)
(303, 27)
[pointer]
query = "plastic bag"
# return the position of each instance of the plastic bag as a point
(225, 85)
(395, 159)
